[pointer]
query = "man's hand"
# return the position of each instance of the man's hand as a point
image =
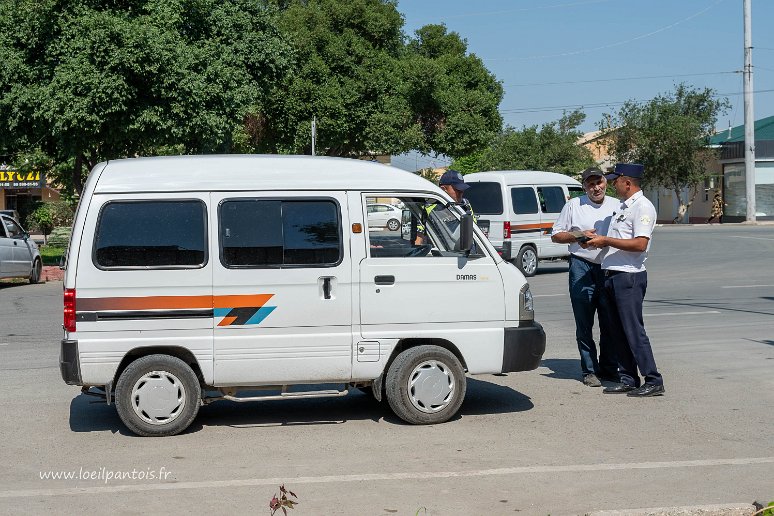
(595, 242)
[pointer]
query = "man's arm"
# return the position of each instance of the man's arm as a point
(634, 245)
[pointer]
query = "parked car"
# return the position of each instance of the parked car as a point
(384, 215)
(19, 255)
(11, 213)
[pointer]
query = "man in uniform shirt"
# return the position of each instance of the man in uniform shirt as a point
(582, 217)
(627, 243)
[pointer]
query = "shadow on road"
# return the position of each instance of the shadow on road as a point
(90, 415)
(562, 368)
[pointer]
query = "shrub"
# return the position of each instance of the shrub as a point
(60, 236)
(49, 215)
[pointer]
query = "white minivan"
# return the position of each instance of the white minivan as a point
(516, 209)
(194, 279)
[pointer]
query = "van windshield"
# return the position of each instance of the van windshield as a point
(485, 197)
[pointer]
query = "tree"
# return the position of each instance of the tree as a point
(85, 81)
(554, 148)
(370, 90)
(669, 135)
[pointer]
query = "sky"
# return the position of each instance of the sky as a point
(554, 55)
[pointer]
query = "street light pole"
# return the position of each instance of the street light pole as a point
(314, 132)
(749, 118)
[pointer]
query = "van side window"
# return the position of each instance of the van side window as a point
(552, 198)
(575, 191)
(277, 233)
(165, 234)
(486, 197)
(524, 201)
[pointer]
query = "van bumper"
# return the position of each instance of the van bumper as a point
(69, 365)
(523, 347)
(505, 250)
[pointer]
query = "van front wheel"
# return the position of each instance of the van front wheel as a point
(425, 385)
(157, 395)
(527, 261)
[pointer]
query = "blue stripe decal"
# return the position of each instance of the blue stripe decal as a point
(221, 312)
(261, 314)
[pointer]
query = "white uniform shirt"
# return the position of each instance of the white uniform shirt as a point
(580, 214)
(635, 217)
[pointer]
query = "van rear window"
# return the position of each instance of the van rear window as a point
(165, 234)
(276, 233)
(485, 197)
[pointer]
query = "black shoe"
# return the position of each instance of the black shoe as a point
(619, 388)
(647, 391)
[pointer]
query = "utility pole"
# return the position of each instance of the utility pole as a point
(314, 132)
(749, 118)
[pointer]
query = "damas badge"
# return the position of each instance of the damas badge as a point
(645, 219)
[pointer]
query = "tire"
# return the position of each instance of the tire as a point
(368, 391)
(425, 385)
(37, 271)
(527, 261)
(393, 224)
(138, 389)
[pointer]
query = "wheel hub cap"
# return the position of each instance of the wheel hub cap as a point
(431, 386)
(158, 397)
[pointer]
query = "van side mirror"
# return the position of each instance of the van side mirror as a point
(466, 233)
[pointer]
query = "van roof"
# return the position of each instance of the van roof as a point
(253, 172)
(517, 177)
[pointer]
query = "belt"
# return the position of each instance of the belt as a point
(609, 273)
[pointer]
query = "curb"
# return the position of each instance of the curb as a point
(729, 509)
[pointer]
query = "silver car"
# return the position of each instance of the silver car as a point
(384, 215)
(19, 255)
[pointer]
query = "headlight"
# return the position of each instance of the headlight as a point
(526, 306)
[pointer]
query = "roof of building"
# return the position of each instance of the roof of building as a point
(764, 130)
(251, 172)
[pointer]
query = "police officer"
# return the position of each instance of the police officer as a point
(453, 184)
(626, 249)
(586, 216)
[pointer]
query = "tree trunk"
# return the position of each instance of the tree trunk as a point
(77, 177)
(683, 207)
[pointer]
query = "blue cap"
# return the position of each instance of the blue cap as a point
(453, 178)
(626, 169)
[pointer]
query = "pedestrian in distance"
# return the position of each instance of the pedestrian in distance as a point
(626, 248)
(582, 218)
(717, 207)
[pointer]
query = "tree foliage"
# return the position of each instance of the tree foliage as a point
(370, 90)
(669, 136)
(554, 148)
(85, 81)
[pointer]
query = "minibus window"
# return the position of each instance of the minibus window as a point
(141, 234)
(551, 198)
(311, 231)
(575, 191)
(524, 200)
(486, 197)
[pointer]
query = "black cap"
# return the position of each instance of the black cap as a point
(591, 172)
(453, 178)
(626, 169)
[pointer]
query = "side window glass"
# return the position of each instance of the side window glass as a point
(427, 229)
(275, 233)
(165, 234)
(575, 191)
(524, 200)
(13, 229)
(551, 198)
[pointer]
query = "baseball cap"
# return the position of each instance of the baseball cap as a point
(626, 169)
(591, 172)
(453, 178)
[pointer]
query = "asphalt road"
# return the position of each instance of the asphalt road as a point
(537, 442)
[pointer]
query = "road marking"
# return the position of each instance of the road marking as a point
(683, 313)
(419, 475)
(753, 238)
(747, 286)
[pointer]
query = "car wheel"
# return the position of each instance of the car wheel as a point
(425, 385)
(37, 271)
(157, 395)
(527, 261)
(393, 224)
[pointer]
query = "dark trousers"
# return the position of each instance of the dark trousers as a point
(586, 285)
(625, 292)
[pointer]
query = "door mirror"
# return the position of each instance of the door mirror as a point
(407, 229)
(466, 233)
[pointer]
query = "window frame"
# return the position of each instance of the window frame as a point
(206, 242)
(282, 199)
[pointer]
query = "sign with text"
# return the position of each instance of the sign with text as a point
(10, 178)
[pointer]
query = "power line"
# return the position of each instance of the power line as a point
(622, 79)
(605, 47)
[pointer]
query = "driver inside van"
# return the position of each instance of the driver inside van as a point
(454, 185)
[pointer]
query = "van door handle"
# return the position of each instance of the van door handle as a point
(384, 280)
(326, 288)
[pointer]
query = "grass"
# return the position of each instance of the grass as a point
(51, 255)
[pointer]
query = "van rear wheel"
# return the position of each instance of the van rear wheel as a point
(157, 395)
(425, 385)
(527, 261)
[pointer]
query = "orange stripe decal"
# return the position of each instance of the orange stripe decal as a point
(542, 225)
(227, 321)
(241, 301)
(171, 302)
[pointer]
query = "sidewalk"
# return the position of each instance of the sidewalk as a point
(52, 273)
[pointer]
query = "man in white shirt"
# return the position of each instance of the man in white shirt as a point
(626, 249)
(587, 215)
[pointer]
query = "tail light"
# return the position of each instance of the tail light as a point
(69, 309)
(506, 230)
